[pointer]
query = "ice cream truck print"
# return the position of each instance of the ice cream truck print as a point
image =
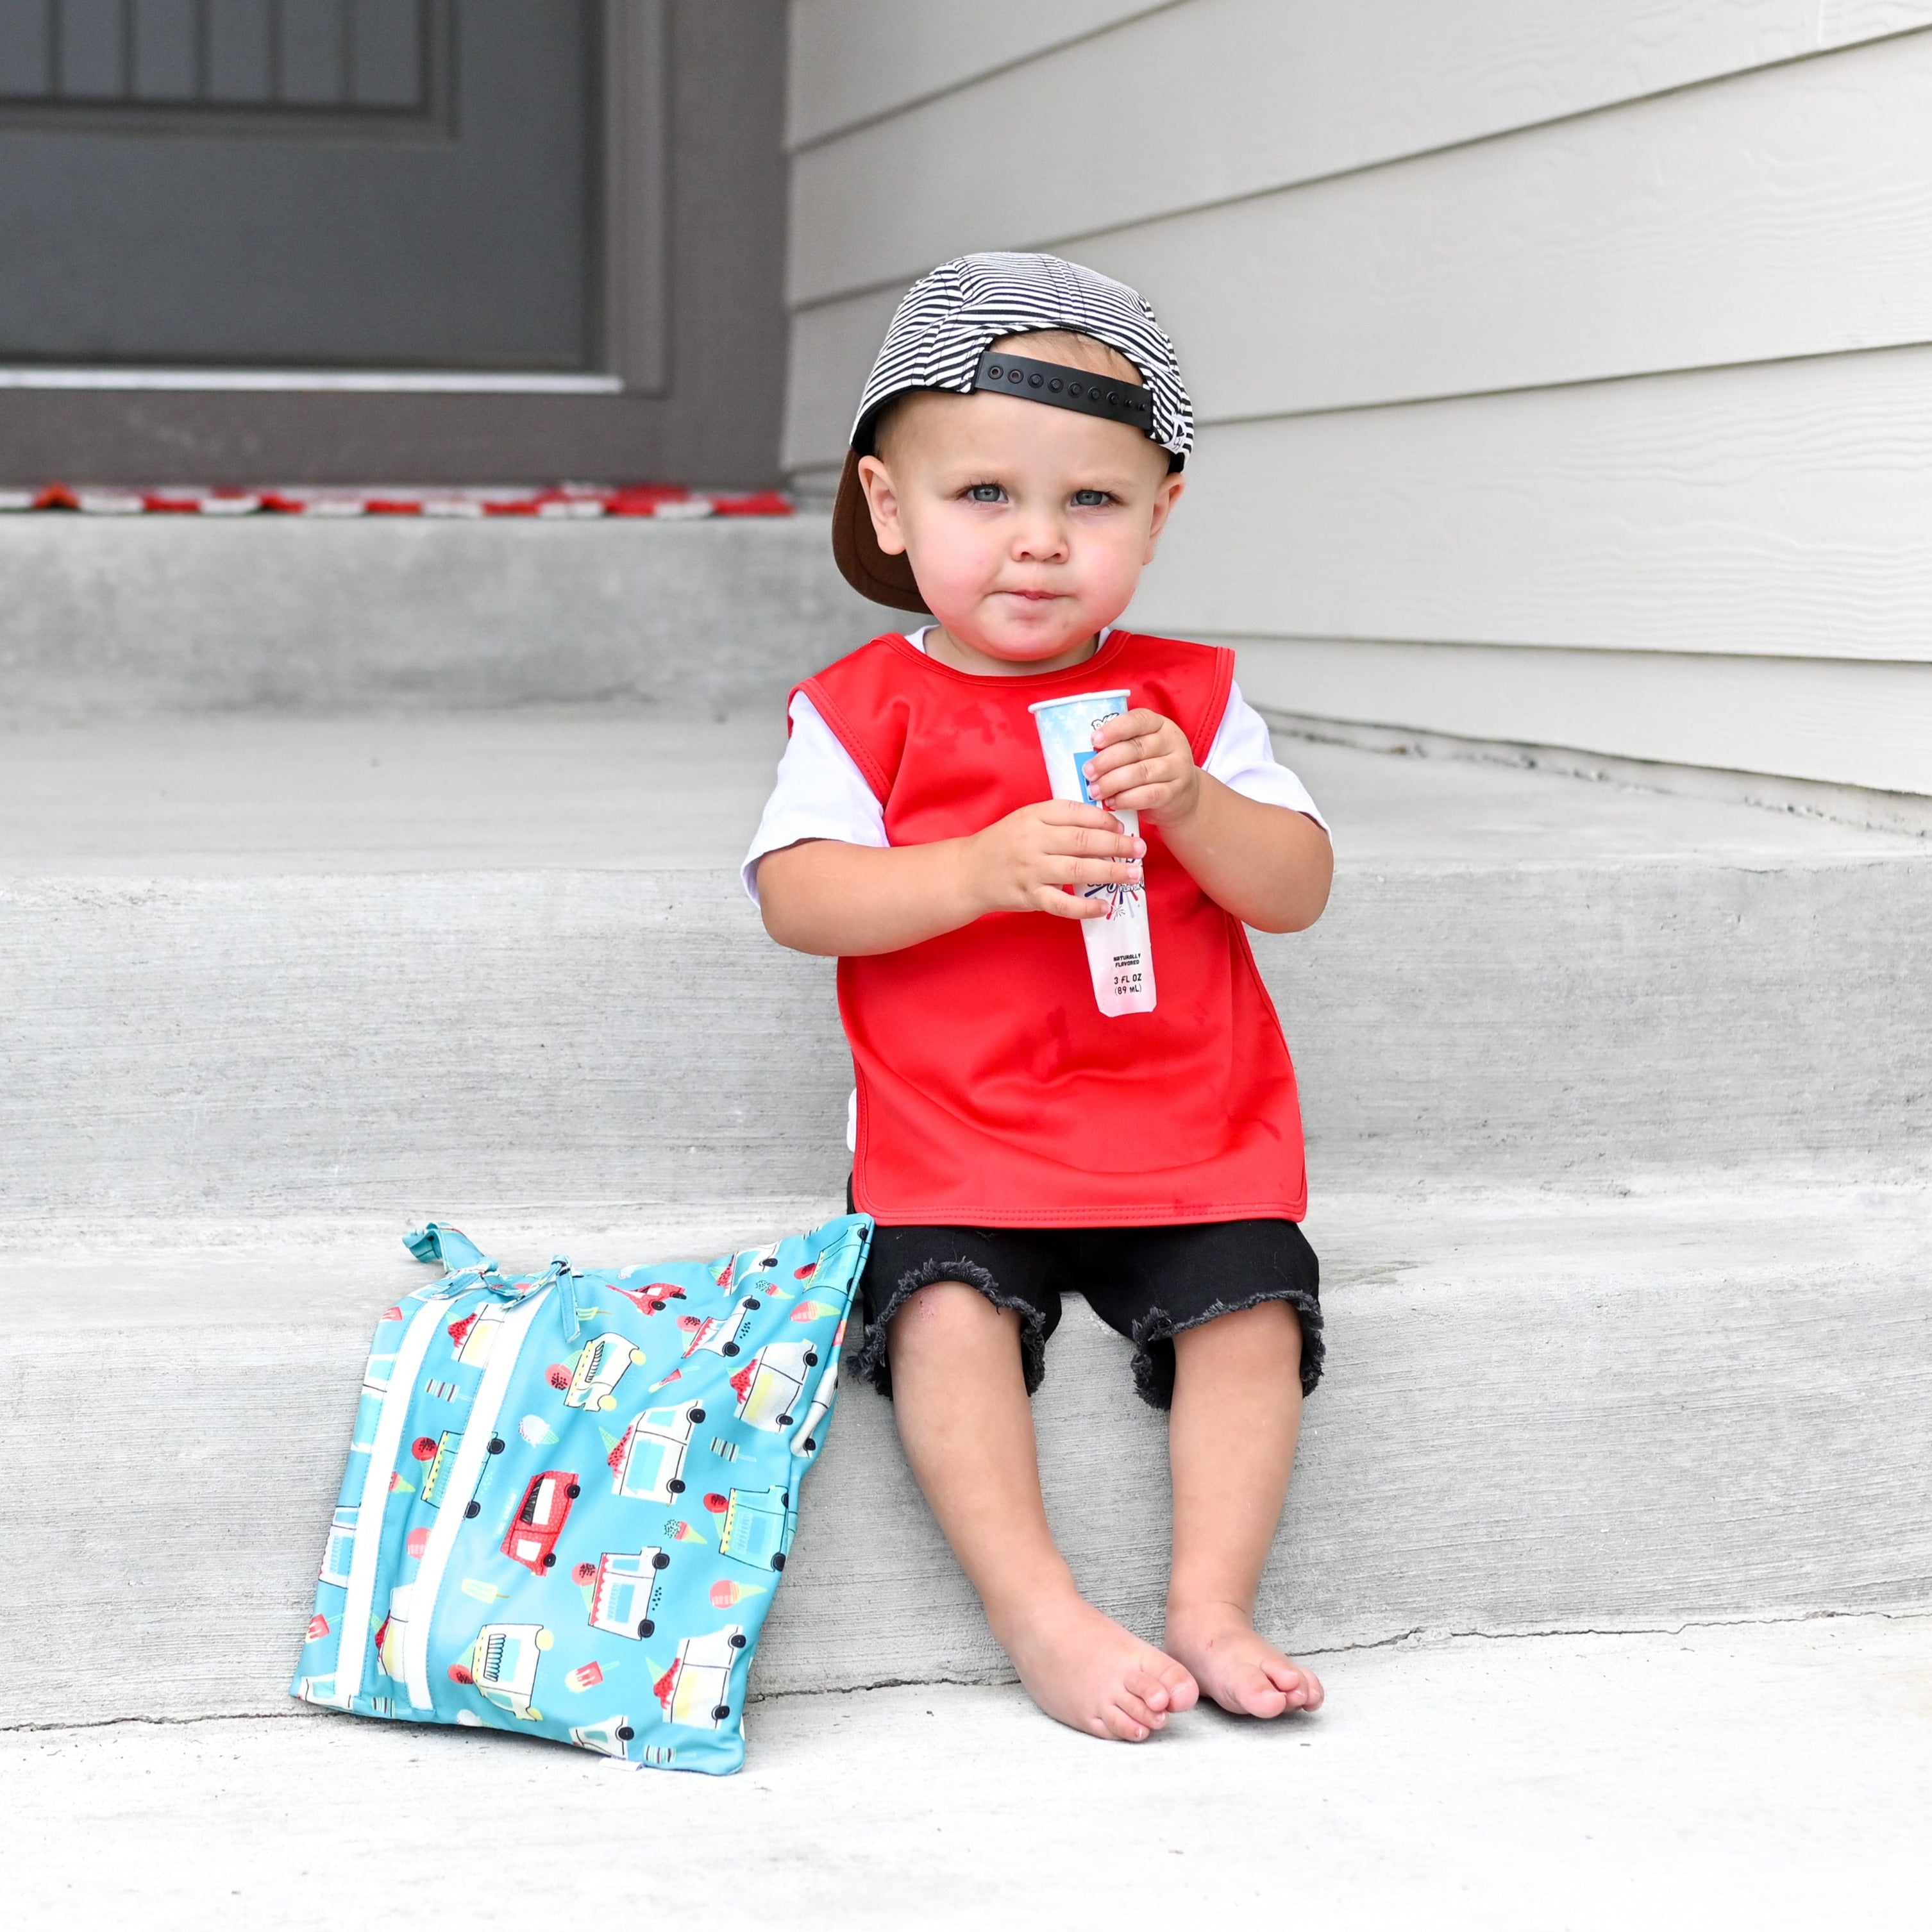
(391, 1632)
(341, 1551)
(769, 1385)
(696, 1689)
(601, 1363)
(807, 1438)
(758, 1527)
(625, 1601)
(721, 1335)
(503, 1666)
(447, 1445)
(612, 1737)
(474, 1336)
(648, 1465)
(539, 1520)
(652, 1299)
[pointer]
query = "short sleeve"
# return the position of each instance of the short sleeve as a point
(819, 793)
(1242, 757)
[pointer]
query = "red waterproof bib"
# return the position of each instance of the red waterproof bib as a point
(992, 1091)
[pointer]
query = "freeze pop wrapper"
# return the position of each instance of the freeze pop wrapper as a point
(1119, 954)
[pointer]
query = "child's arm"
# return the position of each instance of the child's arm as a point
(827, 897)
(1269, 866)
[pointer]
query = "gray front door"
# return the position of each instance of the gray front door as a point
(308, 183)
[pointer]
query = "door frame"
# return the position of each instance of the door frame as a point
(688, 197)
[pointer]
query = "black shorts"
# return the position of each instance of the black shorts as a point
(1145, 1283)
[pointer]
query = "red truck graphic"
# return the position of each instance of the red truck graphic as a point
(540, 1518)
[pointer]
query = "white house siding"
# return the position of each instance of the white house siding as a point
(1565, 367)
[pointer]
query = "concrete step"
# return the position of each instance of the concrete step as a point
(129, 614)
(1775, 1777)
(1541, 1414)
(257, 964)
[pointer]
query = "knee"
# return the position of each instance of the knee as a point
(944, 1315)
(1266, 1336)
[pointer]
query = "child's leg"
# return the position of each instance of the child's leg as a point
(1236, 1413)
(961, 1402)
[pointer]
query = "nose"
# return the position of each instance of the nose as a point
(1040, 538)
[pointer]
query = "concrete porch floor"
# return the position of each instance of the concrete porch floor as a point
(1762, 1775)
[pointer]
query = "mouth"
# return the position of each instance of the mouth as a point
(1034, 596)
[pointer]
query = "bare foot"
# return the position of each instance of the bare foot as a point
(1084, 1669)
(1236, 1666)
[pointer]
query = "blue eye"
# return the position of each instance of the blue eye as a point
(1091, 499)
(985, 493)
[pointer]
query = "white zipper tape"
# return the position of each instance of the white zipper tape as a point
(355, 1647)
(465, 1474)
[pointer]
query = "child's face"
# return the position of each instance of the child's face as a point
(1028, 526)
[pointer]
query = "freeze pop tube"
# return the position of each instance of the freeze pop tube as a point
(1119, 955)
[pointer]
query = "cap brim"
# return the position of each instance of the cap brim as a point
(855, 549)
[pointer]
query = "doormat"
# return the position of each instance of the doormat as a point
(556, 500)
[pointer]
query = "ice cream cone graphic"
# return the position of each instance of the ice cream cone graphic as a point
(726, 1594)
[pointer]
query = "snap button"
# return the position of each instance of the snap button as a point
(1034, 382)
(1056, 385)
(1014, 376)
(994, 372)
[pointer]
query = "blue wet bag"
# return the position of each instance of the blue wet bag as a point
(570, 1496)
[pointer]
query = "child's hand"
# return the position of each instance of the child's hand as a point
(1143, 764)
(1021, 862)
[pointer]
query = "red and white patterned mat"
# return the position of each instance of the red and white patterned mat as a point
(562, 499)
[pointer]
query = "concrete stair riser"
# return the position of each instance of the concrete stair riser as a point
(213, 1045)
(1566, 1416)
(121, 614)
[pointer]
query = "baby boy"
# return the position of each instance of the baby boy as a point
(1017, 451)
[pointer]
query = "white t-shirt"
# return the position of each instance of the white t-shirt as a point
(821, 794)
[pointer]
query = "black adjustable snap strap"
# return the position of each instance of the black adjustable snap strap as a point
(1066, 389)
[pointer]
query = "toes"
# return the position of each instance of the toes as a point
(1183, 1693)
(1149, 1717)
(1301, 1686)
(1262, 1698)
(1164, 1686)
(1117, 1722)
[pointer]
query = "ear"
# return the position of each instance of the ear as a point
(882, 499)
(1164, 498)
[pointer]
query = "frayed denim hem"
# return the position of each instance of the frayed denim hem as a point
(873, 1364)
(1153, 1342)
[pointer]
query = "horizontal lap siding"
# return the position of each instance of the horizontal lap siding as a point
(1777, 509)
(1849, 724)
(854, 60)
(1780, 214)
(1217, 98)
(1509, 333)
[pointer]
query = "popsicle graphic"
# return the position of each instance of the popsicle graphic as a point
(484, 1593)
(318, 1628)
(585, 1677)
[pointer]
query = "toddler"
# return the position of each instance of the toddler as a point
(1017, 451)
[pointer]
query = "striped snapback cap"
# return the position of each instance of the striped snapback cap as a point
(939, 339)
